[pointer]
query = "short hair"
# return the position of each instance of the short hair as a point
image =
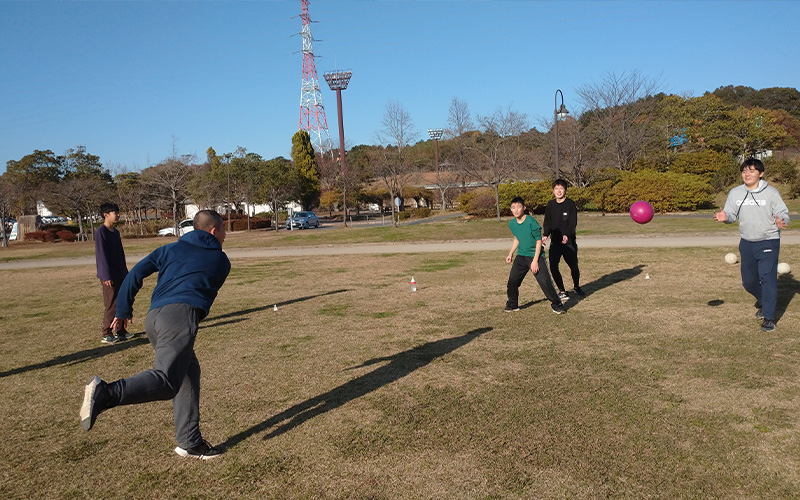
(517, 199)
(752, 162)
(206, 220)
(560, 182)
(108, 207)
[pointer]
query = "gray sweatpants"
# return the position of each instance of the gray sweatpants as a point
(176, 372)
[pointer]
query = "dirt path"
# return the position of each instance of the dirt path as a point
(500, 245)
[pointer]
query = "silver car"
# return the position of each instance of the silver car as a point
(302, 220)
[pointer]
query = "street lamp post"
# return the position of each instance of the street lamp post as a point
(558, 113)
(436, 134)
(337, 81)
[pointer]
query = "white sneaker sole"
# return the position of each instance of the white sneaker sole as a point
(185, 454)
(88, 403)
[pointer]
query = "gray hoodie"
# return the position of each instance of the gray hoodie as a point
(756, 210)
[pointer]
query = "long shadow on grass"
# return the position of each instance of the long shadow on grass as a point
(79, 357)
(612, 279)
(788, 287)
(598, 284)
(399, 365)
(244, 312)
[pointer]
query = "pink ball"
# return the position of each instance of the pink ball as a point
(642, 212)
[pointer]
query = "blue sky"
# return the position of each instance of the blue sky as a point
(129, 80)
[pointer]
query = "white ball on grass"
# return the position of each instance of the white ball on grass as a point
(731, 258)
(784, 268)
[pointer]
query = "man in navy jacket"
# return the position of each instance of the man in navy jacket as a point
(190, 273)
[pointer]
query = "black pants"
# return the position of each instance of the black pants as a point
(520, 269)
(570, 254)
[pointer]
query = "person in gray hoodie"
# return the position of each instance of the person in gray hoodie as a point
(762, 214)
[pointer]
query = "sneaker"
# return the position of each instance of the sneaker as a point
(563, 295)
(580, 293)
(759, 315)
(202, 451)
(559, 309)
(768, 325)
(95, 399)
(109, 339)
(509, 309)
(124, 335)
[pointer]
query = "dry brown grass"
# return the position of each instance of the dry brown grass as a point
(358, 388)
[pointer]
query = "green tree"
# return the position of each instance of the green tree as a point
(6, 197)
(276, 184)
(28, 175)
(305, 162)
(83, 186)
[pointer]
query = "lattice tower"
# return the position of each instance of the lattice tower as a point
(312, 112)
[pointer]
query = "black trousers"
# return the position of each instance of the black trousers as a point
(570, 254)
(519, 269)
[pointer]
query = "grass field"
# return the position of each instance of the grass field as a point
(358, 388)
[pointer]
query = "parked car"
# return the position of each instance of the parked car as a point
(302, 220)
(184, 227)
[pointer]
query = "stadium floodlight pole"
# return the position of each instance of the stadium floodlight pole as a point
(337, 81)
(436, 134)
(558, 113)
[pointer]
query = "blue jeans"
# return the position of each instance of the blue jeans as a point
(760, 272)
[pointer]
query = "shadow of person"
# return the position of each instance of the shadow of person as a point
(788, 287)
(397, 366)
(612, 279)
(596, 285)
(80, 356)
(244, 312)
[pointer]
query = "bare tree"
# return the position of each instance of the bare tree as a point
(134, 197)
(391, 164)
(497, 151)
(460, 130)
(620, 114)
(575, 151)
(169, 181)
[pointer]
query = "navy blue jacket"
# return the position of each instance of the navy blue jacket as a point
(109, 254)
(190, 271)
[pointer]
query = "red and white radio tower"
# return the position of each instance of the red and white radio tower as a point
(312, 112)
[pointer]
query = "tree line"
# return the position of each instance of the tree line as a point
(620, 127)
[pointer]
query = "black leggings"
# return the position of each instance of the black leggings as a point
(570, 254)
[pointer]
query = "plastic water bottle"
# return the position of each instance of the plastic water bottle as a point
(413, 285)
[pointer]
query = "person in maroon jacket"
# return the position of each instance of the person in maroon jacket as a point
(111, 269)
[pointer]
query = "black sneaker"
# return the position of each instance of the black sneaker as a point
(95, 400)
(509, 309)
(768, 325)
(124, 335)
(759, 315)
(558, 309)
(109, 339)
(202, 451)
(580, 293)
(563, 295)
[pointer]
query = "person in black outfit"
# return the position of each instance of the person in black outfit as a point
(560, 222)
